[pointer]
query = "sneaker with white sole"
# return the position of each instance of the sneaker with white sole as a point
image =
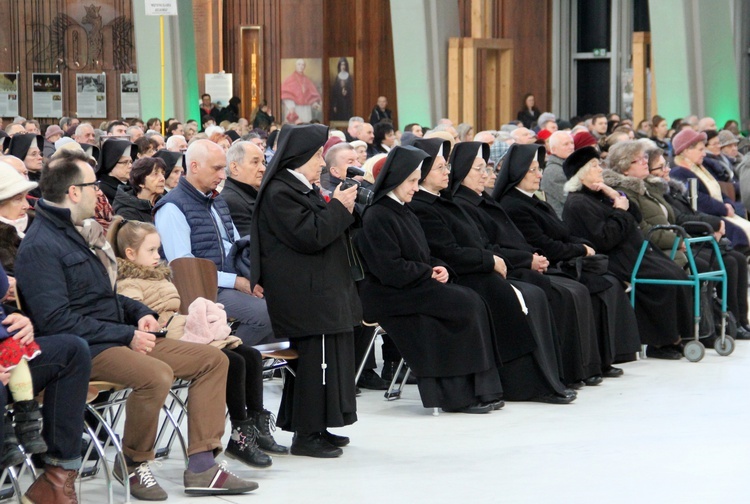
(143, 485)
(216, 481)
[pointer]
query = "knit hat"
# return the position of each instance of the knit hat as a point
(52, 131)
(578, 160)
(13, 183)
(685, 139)
(543, 135)
(583, 139)
(546, 117)
(726, 137)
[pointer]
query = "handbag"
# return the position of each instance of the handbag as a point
(596, 264)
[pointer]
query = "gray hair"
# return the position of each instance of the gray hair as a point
(333, 152)
(355, 119)
(83, 126)
(621, 155)
(133, 128)
(556, 137)
(236, 153)
(463, 129)
(171, 141)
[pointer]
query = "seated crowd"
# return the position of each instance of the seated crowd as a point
(496, 262)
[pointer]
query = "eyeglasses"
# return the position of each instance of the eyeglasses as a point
(660, 167)
(535, 170)
(87, 184)
(125, 162)
(643, 159)
(444, 169)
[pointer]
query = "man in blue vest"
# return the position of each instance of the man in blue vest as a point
(193, 220)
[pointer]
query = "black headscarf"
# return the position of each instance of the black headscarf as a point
(515, 166)
(297, 145)
(578, 160)
(400, 163)
(112, 151)
(21, 143)
(432, 146)
(93, 151)
(170, 159)
(462, 158)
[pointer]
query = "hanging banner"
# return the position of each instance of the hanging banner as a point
(130, 103)
(8, 94)
(46, 99)
(91, 95)
(219, 86)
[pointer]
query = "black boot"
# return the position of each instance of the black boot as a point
(314, 445)
(28, 430)
(265, 424)
(11, 455)
(243, 445)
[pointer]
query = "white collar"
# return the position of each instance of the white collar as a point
(394, 198)
(423, 188)
(301, 178)
(527, 193)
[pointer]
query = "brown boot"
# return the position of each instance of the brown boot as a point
(56, 485)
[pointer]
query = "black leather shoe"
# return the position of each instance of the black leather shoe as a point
(389, 369)
(742, 333)
(472, 409)
(554, 399)
(576, 385)
(668, 352)
(612, 372)
(371, 381)
(592, 381)
(333, 439)
(497, 405)
(313, 445)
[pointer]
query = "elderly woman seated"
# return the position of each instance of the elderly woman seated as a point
(690, 149)
(136, 200)
(602, 216)
(443, 330)
(615, 322)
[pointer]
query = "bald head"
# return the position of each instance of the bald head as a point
(522, 136)
(485, 137)
(707, 123)
(561, 144)
(206, 164)
(17, 164)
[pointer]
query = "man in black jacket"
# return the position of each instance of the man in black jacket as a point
(66, 273)
(246, 165)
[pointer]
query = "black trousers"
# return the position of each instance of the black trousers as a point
(244, 382)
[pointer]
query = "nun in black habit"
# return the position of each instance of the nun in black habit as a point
(111, 152)
(299, 256)
(614, 318)
(568, 299)
(19, 146)
(443, 330)
(604, 217)
(531, 369)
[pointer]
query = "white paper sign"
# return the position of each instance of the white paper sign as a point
(130, 105)
(91, 95)
(47, 95)
(161, 7)
(219, 86)
(8, 94)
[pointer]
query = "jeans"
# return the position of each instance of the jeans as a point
(255, 324)
(62, 370)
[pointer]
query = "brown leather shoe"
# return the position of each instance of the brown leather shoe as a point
(56, 485)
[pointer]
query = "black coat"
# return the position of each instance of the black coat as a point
(455, 239)
(542, 228)
(441, 329)
(65, 288)
(131, 207)
(108, 185)
(528, 117)
(305, 271)
(240, 198)
(664, 312)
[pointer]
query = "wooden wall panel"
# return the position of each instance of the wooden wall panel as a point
(528, 24)
(55, 35)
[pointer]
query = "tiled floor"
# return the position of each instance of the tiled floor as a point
(666, 432)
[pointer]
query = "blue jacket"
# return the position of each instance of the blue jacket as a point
(65, 288)
(205, 239)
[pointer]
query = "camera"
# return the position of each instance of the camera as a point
(364, 196)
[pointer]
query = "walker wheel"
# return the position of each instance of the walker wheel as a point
(727, 348)
(694, 351)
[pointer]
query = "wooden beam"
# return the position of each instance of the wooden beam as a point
(455, 80)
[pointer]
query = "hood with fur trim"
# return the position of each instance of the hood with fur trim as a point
(130, 270)
(614, 180)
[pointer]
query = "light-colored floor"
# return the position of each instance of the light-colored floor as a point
(666, 432)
